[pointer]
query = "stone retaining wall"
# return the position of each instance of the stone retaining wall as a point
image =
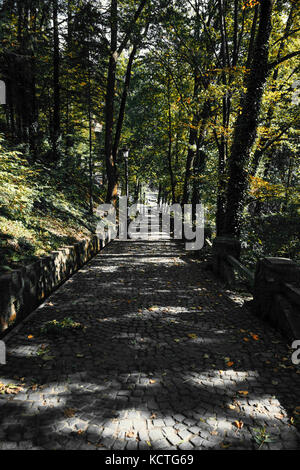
(22, 290)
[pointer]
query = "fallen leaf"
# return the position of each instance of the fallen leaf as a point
(243, 392)
(238, 424)
(130, 434)
(230, 364)
(246, 339)
(69, 412)
(152, 381)
(30, 336)
(192, 335)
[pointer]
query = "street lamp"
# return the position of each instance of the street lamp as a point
(98, 130)
(126, 156)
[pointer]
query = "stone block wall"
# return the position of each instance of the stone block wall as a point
(22, 290)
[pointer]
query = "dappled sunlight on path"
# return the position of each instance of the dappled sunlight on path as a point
(165, 360)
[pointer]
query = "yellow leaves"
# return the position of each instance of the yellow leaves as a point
(152, 381)
(250, 4)
(177, 340)
(255, 337)
(230, 363)
(192, 336)
(246, 339)
(260, 188)
(10, 389)
(231, 407)
(243, 392)
(30, 336)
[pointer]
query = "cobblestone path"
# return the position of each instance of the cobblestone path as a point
(167, 360)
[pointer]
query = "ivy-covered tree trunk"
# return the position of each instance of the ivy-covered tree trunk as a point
(112, 180)
(56, 85)
(246, 124)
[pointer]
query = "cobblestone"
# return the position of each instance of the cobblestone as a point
(167, 359)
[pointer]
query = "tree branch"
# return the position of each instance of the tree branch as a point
(282, 59)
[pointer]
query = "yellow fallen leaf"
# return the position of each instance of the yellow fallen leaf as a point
(30, 336)
(230, 363)
(192, 335)
(246, 339)
(152, 381)
(239, 424)
(243, 392)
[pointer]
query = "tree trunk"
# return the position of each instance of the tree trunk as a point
(111, 169)
(246, 124)
(56, 85)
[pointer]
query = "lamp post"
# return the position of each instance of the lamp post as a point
(126, 156)
(98, 130)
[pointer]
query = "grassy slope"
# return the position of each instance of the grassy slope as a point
(41, 209)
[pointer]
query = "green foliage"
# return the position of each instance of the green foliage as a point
(261, 437)
(56, 328)
(41, 208)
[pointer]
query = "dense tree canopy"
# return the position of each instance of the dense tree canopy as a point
(202, 93)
